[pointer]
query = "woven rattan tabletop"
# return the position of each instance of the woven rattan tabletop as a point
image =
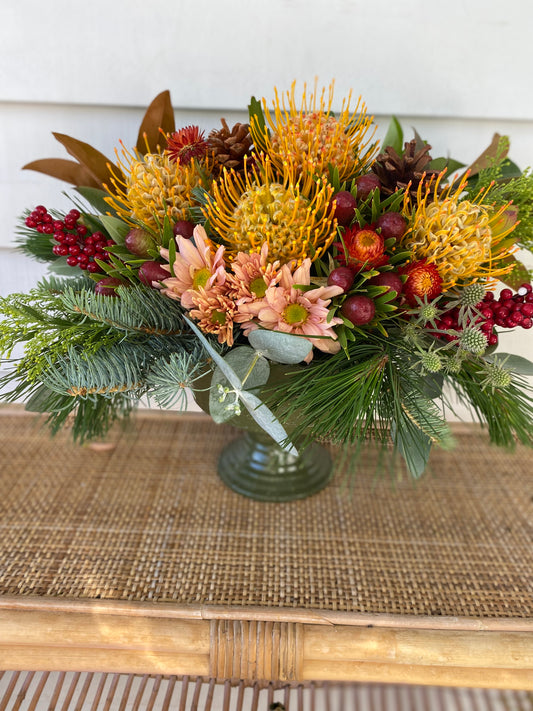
(140, 532)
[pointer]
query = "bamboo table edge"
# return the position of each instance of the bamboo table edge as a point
(237, 643)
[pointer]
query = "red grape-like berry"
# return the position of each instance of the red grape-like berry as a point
(359, 309)
(107, 286)
(183, 228)
(344, 207)
(392, 225)
(389, 279)
(139, 242)
(152, 271)
(343, 277)
(366, 184)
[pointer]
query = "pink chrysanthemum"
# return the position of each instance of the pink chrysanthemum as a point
(197, 266)
(214, 311)
(289, 309)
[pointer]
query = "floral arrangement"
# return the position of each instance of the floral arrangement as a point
(290, 266)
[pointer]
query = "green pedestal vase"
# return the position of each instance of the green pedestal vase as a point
(255, 466)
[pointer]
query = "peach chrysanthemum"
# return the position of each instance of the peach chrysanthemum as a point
(251, 275)
(197, 265)
(310, 138)
(214, 311)
(289, 309)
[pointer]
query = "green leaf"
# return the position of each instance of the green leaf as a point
(60, 267)
(414, 446)
(394, 136)
(514, 363)
(116, 228)
(442, 163)
(95, 198)
(280, 347)
(518, 276)
(257, 119)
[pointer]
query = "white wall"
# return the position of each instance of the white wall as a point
(458, 71)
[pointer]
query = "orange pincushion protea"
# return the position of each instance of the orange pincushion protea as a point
(310, 138)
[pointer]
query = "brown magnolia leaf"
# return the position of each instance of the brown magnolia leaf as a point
(94, 161)
(486, 159)
(518, 276)
(62, 169)
(159, 115)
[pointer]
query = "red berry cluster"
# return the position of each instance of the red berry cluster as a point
(510, 309)
(74, 241)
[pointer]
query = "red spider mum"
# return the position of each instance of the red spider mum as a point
(423, 281)
(186, 144)
(363, 247)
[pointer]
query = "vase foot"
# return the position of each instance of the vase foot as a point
(258, 468)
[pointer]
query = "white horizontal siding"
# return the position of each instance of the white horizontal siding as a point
(458, 58)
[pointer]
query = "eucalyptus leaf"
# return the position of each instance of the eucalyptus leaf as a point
(264, 417)
(280, 347)
(253, 371)
(514, 363)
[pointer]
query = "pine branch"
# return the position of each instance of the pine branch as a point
(135, 309)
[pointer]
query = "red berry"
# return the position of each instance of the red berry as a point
(359, 309)
(528, 298)
(152, 271)
(345, 204)
(74, 214)
(107, 286)
(493, 339)
(525, 289)
(516, 317)
(343, 277)
(366, 184)
(506, 294)
(489, 296)
(30, 222)
(74, 249)
(392, 225)
(389, 279)
(93, 267)
(527, 323)
(507, 303)
(72, 261)
(527, 309)
(501, 312)
(183, 228)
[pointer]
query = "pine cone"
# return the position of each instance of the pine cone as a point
(397, 172)
(230, 147)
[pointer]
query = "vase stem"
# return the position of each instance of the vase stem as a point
(255, 465)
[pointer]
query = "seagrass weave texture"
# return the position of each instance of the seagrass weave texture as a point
(148, 519)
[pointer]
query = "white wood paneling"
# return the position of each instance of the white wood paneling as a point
(459, 58)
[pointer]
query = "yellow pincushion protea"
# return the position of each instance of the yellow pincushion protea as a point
(309, 138)
(154, 186)
(295, 220)
(462, 238)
